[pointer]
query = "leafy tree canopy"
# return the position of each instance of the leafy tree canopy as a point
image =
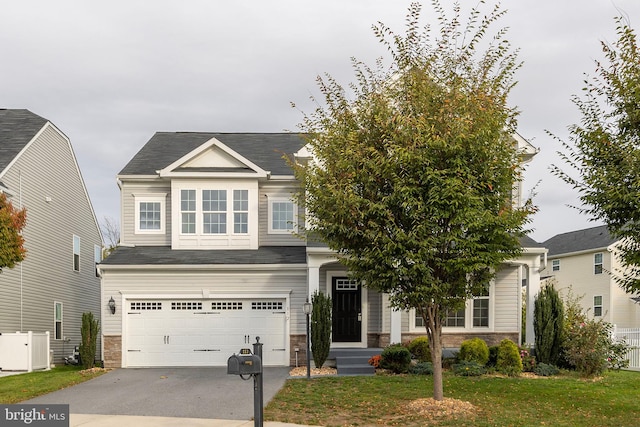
(12, 221)
(414, 170)
(604, 148)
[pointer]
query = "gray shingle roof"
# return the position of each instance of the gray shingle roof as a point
(17, 128)
(264, 149)
(528, 242)
(580, 240)
(164, 255)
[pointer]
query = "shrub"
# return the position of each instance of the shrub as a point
(89, 333)
(509, 361)
(588, 345)
(419, 348)
(545, 370)
(422, 368)
(528, 361)
(320, 328)
(468, 369)
(375, 361)
(590, 348)
(548, 319)
(396, 358)
(474, 350)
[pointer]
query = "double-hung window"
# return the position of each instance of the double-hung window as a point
(76, 253)
(481, 310)
(281, 215)
(454, 319)
(188, 211)
(57, 320)
(597, 305)
(240, 211)
(555, 265)
(150, 213)
(214, 211)
(597, 263)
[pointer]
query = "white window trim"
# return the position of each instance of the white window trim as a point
(280, 199)
(555, 265)
(468, 317)
(601, 263)
(153, 198)
(61, 337)
(601, 306)
(79, 253)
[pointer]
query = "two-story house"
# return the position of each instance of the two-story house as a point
(585, 261)
(57, 281)
(208, 260)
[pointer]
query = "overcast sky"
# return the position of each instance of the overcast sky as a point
(109, 74)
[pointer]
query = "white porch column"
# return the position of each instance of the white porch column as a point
(395, 335)
(314, 280)
(533, 287)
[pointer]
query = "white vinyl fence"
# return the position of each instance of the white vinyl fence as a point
(632, 337)
(24, 351)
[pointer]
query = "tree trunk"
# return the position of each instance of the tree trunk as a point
(431, 315)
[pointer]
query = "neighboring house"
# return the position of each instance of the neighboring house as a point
(208, 260)
(57, 281)
(584, 261)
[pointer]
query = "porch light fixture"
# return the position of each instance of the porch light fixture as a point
(112, 305)
(307, 307)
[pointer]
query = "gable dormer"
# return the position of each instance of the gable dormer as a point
(214, 198)
(213, 159)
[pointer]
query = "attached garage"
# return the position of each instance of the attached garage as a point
(203, 332)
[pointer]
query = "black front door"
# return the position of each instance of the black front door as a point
(347, 310)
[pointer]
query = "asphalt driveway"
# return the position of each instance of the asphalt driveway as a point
(168, 392)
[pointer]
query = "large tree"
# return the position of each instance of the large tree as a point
(414, 170)
(12, 221)
(604, 149)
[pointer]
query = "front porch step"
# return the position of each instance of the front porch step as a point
(356, 369)
(354, 361)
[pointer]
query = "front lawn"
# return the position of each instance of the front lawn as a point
(16, 388)
(383, 400)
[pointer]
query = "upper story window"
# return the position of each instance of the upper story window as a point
(76, 253)
(281, 215)
(97, 257)
(216, 208)
(240, 211)
(214, 211)
(188, 211)
(597, 263)
(150, 213)
(555, 265)
(597, 305)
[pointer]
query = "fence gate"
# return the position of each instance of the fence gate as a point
(632, 337)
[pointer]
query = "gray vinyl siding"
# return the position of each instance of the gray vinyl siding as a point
(129, 236)
(292, 281)
(265, 238)
(47, 169)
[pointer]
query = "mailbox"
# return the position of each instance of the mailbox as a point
(244, 364)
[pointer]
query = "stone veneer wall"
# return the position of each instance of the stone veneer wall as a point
(112, 351)
(299, 342)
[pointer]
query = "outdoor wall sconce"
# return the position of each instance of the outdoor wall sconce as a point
(112, 306)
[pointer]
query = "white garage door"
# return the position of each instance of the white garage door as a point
(203, 332)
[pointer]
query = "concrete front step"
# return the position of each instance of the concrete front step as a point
(354, 361)
(356, 369)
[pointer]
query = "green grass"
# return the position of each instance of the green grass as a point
(16, 388)
(382, 401)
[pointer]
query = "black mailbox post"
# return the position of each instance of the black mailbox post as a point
(250, 364)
